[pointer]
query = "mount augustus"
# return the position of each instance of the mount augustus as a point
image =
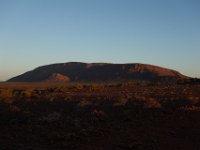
(75, 71)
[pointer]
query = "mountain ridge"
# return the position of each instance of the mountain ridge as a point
(78, 71)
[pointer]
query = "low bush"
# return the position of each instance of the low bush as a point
(152, 103)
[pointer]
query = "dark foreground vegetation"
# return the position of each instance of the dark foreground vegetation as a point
(111, 116)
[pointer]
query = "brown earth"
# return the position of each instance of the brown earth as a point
(106, 116)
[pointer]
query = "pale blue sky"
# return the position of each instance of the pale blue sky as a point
(40, 32)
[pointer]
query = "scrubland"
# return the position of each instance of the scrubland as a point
(99, 116)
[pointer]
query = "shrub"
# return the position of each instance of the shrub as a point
(6, 94)
(152, 103)
(120, 101)
(28, 93)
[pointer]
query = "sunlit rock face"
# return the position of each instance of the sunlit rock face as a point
(77, 71)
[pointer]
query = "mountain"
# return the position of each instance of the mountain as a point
(76, 71)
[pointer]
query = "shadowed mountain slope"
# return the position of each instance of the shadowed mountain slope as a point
(76, 71)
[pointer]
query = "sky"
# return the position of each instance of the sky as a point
(39, 32)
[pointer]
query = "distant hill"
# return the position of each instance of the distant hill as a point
(89, 72)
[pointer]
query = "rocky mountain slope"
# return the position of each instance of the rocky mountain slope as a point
(89, 72)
